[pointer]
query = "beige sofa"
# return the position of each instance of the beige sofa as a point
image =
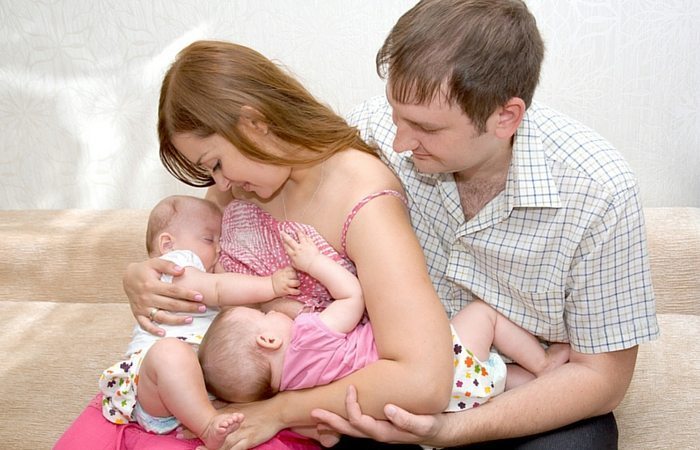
(65, 318)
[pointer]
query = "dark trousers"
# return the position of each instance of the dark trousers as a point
(599, 433)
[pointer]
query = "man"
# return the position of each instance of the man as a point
(520, 206)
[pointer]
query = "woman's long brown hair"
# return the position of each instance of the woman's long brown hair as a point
(208, 84)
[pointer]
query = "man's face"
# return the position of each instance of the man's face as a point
(440, 136)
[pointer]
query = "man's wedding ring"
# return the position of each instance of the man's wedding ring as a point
(152, 314)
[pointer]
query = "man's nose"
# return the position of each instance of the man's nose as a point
(403, 140)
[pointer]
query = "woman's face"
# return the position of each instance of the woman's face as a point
(229, 167)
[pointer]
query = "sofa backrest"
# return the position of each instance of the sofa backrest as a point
(91, 249)
(673, 235)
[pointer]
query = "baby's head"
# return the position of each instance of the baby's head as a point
(182, 222)
(236, 368)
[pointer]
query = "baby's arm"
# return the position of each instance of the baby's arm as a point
(233, 289)
(345, 312)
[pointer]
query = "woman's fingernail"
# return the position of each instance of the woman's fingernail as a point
(390, 410)
(161, 333)
(178, 268)
(188, 320)
(202, 308)
(198, 297)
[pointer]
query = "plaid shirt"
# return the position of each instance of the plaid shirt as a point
(560, 251)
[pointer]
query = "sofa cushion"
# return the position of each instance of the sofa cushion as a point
(53, 354)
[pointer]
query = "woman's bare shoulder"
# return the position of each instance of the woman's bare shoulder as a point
(363, 173)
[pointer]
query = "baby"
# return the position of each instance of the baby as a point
(160, 384)
(274, 353)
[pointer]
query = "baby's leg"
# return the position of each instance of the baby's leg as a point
(475, 325)
(525, 349)
(171, 383)
(516, 376)
(479, 326)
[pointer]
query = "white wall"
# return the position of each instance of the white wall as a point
(79, 83)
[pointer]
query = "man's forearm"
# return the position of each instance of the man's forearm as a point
(589, 386)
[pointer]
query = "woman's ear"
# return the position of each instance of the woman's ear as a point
(253, 120)
(509, 117)
(269, 341)
(166, 243)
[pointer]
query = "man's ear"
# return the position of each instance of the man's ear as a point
(166, 243)
(269, 341)
(509, 117)
(252, 120)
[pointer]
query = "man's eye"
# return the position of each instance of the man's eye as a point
(428, 130)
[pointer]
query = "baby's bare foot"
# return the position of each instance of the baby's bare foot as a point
(219, 427)
(556, 355)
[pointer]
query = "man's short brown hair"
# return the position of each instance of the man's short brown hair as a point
(477, 53)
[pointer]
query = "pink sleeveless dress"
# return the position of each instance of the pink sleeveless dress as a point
(251, 244)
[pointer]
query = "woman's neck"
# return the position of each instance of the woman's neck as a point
(299, 194)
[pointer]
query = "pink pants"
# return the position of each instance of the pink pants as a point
(91, 430)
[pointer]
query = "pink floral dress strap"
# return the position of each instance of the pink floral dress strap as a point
(358, 206)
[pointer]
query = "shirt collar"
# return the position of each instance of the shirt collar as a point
(530, 182)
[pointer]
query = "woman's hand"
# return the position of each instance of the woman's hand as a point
(152, 301)
(262, 421)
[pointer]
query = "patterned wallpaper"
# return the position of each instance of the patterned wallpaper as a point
(79, 83)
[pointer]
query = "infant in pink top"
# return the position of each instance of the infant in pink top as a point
(249, 355)
(317, 355)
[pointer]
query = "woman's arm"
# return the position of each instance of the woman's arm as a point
(598, 383)
(410, 327)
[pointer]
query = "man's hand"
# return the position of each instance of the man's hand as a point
(285, 282)
(402, 426)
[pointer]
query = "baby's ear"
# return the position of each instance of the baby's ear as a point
(269, 341)
(166, 243)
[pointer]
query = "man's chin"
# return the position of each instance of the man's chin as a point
(425, 166)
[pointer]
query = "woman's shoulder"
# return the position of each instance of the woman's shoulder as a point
(362, 173)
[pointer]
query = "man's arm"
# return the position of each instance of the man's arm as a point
(592, 384)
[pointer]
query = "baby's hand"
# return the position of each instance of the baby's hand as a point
(302, 253)
(285, 282)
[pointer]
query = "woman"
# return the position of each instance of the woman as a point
(228, 116)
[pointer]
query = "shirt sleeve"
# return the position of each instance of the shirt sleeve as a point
(610, 303)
